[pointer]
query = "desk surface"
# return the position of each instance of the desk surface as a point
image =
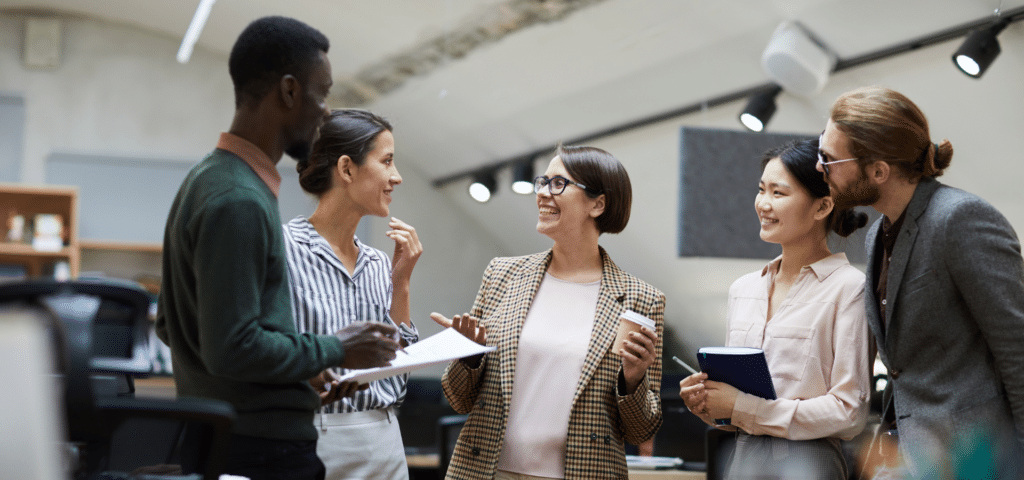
(430, 460)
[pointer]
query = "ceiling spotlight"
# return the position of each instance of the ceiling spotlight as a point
(979, 50)
(760, 109)
(522, 178)
(483, 187)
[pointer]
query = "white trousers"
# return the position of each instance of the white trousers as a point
(361, 445)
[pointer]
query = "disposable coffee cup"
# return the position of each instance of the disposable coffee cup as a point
(630, 321)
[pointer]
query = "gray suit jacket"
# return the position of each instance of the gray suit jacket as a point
(954, 344)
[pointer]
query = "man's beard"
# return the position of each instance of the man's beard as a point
(860, 193)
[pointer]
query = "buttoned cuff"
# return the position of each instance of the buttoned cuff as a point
(409, 333)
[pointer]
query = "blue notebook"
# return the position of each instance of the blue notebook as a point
(742, 367)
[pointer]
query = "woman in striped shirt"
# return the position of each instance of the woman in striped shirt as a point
(337, 280)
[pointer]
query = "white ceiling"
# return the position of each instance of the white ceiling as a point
(600, 66)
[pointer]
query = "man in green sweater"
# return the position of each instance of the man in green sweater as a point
(225, 308)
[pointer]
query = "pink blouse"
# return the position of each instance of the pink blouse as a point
(817, 349)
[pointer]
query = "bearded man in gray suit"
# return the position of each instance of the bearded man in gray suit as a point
(944, 293)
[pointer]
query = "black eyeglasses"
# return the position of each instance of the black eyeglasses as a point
(556, 185)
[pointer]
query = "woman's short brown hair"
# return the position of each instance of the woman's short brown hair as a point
(603, 175)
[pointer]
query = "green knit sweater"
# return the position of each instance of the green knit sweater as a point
(225, 309)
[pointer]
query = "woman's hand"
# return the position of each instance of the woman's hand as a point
(637, 356)
(407, 250)
(469, 327)
(465, 324)
(694, 395)
(331, 389)
(721, 397)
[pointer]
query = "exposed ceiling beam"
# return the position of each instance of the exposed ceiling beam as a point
(496, 23)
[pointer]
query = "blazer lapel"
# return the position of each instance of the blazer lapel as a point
(522, 288)
(902, 249)
(870, 297)
(611, 300)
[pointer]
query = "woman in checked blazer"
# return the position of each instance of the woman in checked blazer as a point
(557, 399)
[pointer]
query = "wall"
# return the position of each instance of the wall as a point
(984, 120)
(117, 92)
(120, 93)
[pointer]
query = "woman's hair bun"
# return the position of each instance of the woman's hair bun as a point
(848, 221)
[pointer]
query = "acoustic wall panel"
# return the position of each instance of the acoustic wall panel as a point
(719, 173)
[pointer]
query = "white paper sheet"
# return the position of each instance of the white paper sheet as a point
(443, 347)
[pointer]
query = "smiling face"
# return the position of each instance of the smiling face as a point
(787, 211)
(569, 215)
(374, 180)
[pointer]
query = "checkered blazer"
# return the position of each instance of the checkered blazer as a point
(600, 420)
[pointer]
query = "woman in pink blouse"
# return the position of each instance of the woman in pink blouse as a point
(805, 309)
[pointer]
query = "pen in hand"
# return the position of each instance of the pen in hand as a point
(398, 338)
(685, 365)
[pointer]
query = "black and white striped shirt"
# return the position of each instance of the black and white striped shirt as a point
(325, 298)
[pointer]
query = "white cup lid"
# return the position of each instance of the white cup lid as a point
(638, 319)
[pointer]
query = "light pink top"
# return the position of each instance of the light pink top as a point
(817, 350)
(552, 349)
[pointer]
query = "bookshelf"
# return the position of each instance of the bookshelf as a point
(28, 201)
(135, 261)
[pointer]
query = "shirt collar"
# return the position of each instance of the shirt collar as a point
(821, 269)
(304, 232)
(257, 160)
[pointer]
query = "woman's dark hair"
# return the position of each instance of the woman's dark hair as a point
(603, 175)
(800, 159)
(270, 48)
(349, 132)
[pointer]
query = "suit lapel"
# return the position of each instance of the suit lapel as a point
(522, 289)
(897, 267)
(610, 304)
(902, 250)
(874, 249)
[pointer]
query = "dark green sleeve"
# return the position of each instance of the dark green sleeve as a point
(240, 335)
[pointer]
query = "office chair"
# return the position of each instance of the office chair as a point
(423, 405)
(101, 333)
(448, 429)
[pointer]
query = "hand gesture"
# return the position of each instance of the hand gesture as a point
(331, 389)
(469, 327)
(691, 390)
(637, 353)
(465, 324)
(407, 249)
(368, 344)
